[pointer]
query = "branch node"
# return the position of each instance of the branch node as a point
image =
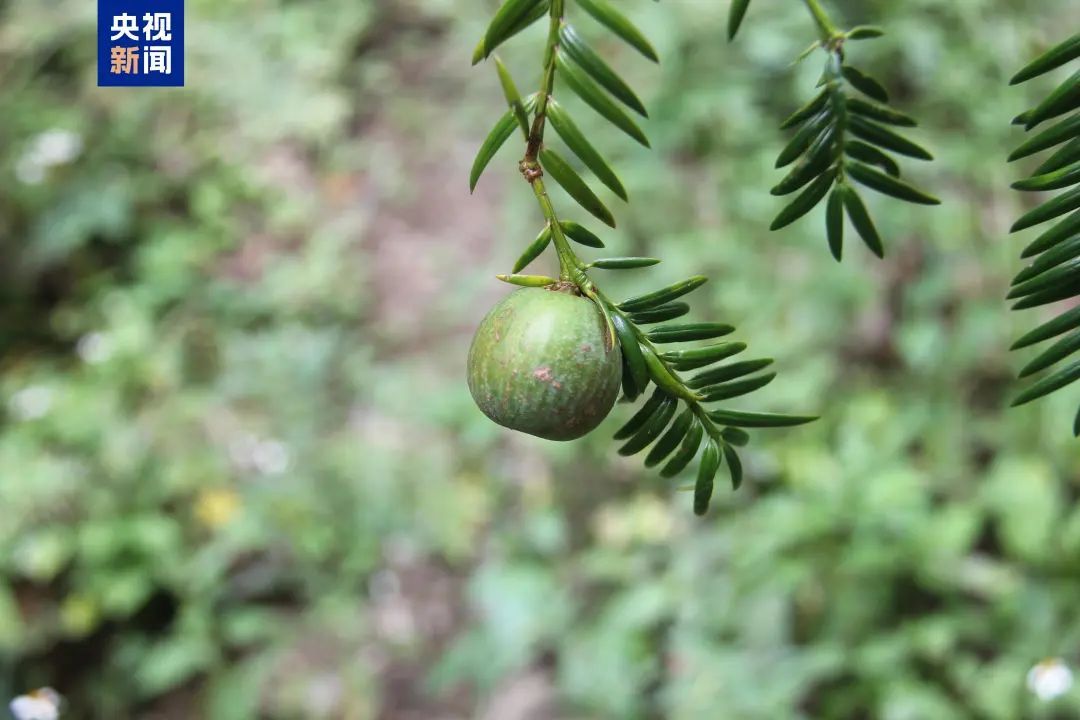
(530, 170)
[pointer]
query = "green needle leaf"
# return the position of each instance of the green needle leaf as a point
(1062, 275)
(1065, 98)
(881, 113)
(1067, 129)
(498, 136)
(1063, 323)
(664, 295)
(571, 182)
(513, 97)
(735, 17)
(577, 142)
(630, 390)
(738, 388)
(805, 202)
(1049, 259)
(701, 357)
(870, 154)
(482, 51)
(600, 71)
(883, 137)
(728, 372)
(652, 428)
(671, 439)
(689, 332)
(607, 15)
(1049, 210)
(1067, 375)
(734, 466)
(1060, 232)
(642, 416)
(1053, 58)
(687, 450)
(664, 313)
(834, 223)
(1065, 177)
(536, 247)
(533, 281)
(593, 96)
(1058, 351)
(631, 350)
(807, 111)
(581, 234)
(625, 263)
(735, 418)
(860, 219)
(508, 21)
(735, 436)
(889, 185)
(802, 139)
(816, 160)
(703, 489)
(865, 84)
(1063, 291)
(1066, 154)
(864, 32)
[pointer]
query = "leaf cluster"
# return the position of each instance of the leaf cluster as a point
(846, 136)
(1054, 273)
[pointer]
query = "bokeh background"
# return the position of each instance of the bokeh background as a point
(241, 475)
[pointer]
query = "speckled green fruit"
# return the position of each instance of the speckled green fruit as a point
(539, 364)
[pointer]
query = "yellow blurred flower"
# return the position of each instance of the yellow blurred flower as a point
(216, 507)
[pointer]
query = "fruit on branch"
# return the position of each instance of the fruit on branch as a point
(549, 359)
(540, 363)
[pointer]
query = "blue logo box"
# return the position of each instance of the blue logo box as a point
(140, 43)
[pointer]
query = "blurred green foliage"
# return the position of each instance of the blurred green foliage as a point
(241, 476)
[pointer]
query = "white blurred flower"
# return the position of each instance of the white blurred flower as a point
(270, 457)
(266, 457)
(41, 704)
(1049, 679)
(50, 149)
(31, 403)
(94, 348)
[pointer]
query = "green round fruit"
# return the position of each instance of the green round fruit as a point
(540, 363)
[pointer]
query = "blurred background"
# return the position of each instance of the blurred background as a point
(241, 475)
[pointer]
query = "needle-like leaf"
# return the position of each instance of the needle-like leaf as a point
(580, 145)
(860, 218)
(686, 452)
(1053, 58)
(889, 185)
(571, 182)
(587, 59)
(865, 84)
(594, 97)
(508, 21)
(736, 13)
(536, 247)
(663, 295)
(703, 488)
(605, 13)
